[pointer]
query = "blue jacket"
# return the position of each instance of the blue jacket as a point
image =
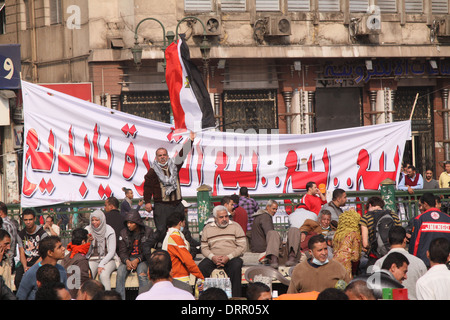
(428, 226)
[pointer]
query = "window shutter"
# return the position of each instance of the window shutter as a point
(197, 5)
(299, 5)
(267, 5)
(329, 5)
(233, 5)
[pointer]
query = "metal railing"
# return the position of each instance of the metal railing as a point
(76, 214)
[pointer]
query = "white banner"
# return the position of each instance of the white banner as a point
(76, 151)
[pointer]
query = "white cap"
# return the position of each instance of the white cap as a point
(186, 204)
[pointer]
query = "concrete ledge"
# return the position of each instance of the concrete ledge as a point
(250, 259)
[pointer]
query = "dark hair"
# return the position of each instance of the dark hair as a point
(376, 201)
(310, 185)
(49, 291)
(412, 168)
(3, 234)
(3, 207)
(78, 235)
(397, 235)
(243, 191)
(47, 274)
(235, 198)
(225, 200)
(213, 294)
(437, 199)
(439, 250)
(107, 295)
(113, 201)
(255, 289)
(159, 265)
(28, 211)
(337, 193)
(126, 190)
(317, 238)
(394, 258)
(332, 294)
(92, 287)
(429, 199)
(359, 287)
(175, 218)
(47, 244)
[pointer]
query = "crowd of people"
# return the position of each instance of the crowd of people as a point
(332, 253)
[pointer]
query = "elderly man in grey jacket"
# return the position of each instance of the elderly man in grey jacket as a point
(266, 239)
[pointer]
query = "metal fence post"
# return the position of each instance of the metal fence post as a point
(203, 205)
(388, 194)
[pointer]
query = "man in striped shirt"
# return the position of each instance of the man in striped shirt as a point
(223, 243)
(368, 221)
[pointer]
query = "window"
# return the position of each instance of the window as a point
(413, 6)
(267, 5)
(250, 109)
(197, 5)
(387, 6)
(299, 5)
(2, 18)
(329, 5)
(233, 5)
(56, 14)
(439, 6)
(358, 5)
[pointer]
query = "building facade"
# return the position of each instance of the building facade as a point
(295, 66)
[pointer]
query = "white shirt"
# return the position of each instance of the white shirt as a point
(165, 290)
(435, 284)
(416, 269)
(298, 217)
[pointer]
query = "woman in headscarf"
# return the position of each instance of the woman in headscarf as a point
(347, 241)
(103, 248)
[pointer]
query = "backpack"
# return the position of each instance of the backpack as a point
(383, 223)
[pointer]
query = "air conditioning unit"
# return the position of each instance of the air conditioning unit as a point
(369, 24)
(443, 27)
(278, 26)
(212, 25)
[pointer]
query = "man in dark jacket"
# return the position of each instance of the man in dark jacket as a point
(132, 259)
(113, 217)
(427, 226)
(266, 239)
(162, 185)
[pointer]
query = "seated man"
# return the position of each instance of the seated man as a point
(318, 272)
(310, 227)
(75, 262)
(223, 243)
(131, 251)
(183, 265)
(266, 239)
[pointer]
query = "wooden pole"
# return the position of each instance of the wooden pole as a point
(414, 106)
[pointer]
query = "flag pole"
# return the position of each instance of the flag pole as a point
(414, 106)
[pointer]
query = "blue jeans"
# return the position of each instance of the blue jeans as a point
(122, 274)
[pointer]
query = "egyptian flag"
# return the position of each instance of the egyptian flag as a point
(191, 104)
